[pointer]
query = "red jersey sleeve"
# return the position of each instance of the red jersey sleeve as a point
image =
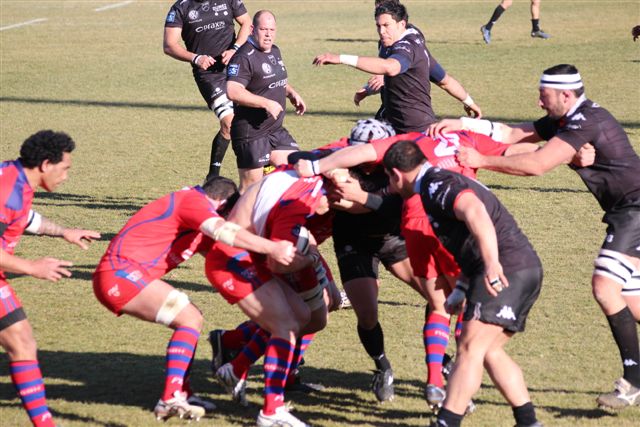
(195, 208)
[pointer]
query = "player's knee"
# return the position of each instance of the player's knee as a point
(367, 319)
(21, 346)
(506, 4)
(172, 308)
(611, 274)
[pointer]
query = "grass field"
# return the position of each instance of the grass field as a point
(142, 131)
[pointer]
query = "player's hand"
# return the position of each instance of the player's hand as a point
(50, 269)
(473, 111)
(494, 280)
(326, 59)
(635, 32)
(226, 55)
(80, 237)
(469, 157)
(444, 126)
(297, 101)
(350, 190)
(585, 157)
(304, 168)
(273, 108)
(283, 252)
(205, 61)
(376, 83)
(359, 96)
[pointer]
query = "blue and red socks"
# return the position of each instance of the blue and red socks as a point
(436, 338)
(180, 351)
(277, 361)
(27, 379)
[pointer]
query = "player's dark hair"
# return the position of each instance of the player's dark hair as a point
(219, 187)
(45, 145)
(379, 2)
(259, 13)
(404, 156)
(394, 8)
(565, 69)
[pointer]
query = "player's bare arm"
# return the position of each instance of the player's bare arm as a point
(553, 153)
(368, 64)
(455, 89)
(46, 227)
(243, 33)
(172, 46)
(296, 100)
(471, 210)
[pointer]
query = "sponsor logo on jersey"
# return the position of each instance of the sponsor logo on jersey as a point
(193, 15)
(506, 312)
(171, 17)
(232, 69)
(266, 68)
(279, 83)
(4, 292)
(213, 26)
(205, 7)
(219, 8)
(272, 59)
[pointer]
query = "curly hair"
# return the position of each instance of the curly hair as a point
(45, 145)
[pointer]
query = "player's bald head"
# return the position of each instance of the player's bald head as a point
(263, 15)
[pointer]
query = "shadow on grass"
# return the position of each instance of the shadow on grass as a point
(131, 204)
(133, 380)
(538, 189)
(156, 106)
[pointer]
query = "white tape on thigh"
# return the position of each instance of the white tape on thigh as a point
(175, 302)
(613, 265)
(313, 297)
(222, 106)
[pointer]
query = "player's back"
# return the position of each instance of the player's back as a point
(16, 196)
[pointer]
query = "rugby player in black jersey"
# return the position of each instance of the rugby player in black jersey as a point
(207, 30)
(501, 277)
(573, 121)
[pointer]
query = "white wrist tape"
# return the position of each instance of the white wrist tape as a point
(349, 60)
(485, 127)
(172, 306)
(35, 220)
(468, 101)
(315, 167)
(226, 233)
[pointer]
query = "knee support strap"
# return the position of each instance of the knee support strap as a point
(222, 106)
(613, 265)
(175, 302)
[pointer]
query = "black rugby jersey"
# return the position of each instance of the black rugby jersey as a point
(614, 178)
(439, 190)
(207, 26)
(407, 96)
(262, 74)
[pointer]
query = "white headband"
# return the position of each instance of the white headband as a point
(561, 81)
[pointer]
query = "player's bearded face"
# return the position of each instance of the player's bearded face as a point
(553, 102)
(389, 30)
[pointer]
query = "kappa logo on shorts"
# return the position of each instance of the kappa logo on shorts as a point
(228, 285)
(114, 292)
(506, 312)
(134, 276)
(233, 69)
(4, 292)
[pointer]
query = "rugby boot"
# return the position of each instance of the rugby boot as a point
(382, 384)
(177, 406)
(622, 396)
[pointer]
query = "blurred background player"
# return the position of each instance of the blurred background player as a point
(45, 159)
(407, 67)
(502, 7)
(159, 237)
(257, 82)
(207, 31)
(501, 278)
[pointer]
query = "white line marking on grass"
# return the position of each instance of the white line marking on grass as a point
(22, 24)
(113, 6)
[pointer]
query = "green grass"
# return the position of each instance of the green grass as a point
(142, 131)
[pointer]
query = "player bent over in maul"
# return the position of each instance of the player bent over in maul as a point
(159, 237)
(499, 266)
